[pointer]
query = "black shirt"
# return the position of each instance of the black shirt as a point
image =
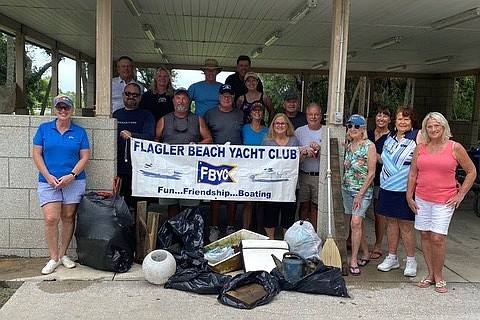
(238, 85)
(158, 104)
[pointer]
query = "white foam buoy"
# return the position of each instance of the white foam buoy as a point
(158, 266)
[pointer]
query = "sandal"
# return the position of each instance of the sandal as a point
(355, 271)
(425, 283)
(375, 255)
(441, 286)
(363, 262)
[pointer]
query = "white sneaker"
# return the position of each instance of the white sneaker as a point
(67, 262)
(214, 233)
(51, 266)
(410, 268)
(388, 264)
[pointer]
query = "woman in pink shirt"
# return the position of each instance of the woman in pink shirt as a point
(432, 180)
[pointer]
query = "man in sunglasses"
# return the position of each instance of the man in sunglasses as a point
(181, 127)
(131, 122)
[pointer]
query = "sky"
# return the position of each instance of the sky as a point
(66, 72)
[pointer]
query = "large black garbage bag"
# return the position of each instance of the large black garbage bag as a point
(105, 233)
(324, 280)
(182, 236)
(198, 281)
(268, 282)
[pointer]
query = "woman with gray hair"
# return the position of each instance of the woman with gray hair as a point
(433, 194)
(357, 186)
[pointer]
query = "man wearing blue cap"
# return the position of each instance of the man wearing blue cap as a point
(225, 123)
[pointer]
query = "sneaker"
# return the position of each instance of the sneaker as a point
(51, 266)
(214, 233)
(230, 230)
(67, 262)
(388, 264)
(410, 268)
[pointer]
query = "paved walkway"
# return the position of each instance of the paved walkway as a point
(85, 293)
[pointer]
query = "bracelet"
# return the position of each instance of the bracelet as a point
(74, 174)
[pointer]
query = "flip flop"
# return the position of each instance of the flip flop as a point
(363, 262)
(440, 287)
(355, 271)
(375, 254)
(425, 283)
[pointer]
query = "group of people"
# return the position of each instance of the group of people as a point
(410, 175)
(237, 112)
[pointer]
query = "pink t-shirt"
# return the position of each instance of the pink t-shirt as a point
(436, 174)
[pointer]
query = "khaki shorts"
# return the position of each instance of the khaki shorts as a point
(308, 188)
(181, 202)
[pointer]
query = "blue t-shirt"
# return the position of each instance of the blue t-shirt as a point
(60, 152)
(205, 96)
(252, 138)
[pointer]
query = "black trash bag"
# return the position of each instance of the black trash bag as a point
(182, 236)
(197, 281)
(323, 280)
(105, 233)
(269, 283)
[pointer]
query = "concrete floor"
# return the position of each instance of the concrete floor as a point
(85, 293)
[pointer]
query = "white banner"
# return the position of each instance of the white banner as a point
(214, 172)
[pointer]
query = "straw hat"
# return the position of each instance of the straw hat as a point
(211, 64)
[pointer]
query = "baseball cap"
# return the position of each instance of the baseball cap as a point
(258, 104)
(63, 99)
(251, 74)
(290, 96)
(358, 120)
(181, 90)
(226, 88)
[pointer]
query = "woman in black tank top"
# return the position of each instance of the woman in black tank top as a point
(253, 96)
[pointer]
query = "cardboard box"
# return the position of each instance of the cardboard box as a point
(234, 240)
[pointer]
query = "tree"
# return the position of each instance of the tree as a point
(145, 76)
(463, 94)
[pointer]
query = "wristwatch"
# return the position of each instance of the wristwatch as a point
(74, 174)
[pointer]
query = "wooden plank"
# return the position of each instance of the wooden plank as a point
(152, 229)
(339, 216)
(140, 230)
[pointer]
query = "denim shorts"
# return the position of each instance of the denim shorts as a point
(70, 194)
(349, 196)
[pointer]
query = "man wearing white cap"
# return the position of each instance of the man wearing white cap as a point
(205, 93)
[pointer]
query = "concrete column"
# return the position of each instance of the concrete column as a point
(335, 104)
(104, 58)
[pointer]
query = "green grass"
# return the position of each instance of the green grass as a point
(5, 294)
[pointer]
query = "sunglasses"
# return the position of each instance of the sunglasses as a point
(63, 108)
(356, 126)
(131, 94)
